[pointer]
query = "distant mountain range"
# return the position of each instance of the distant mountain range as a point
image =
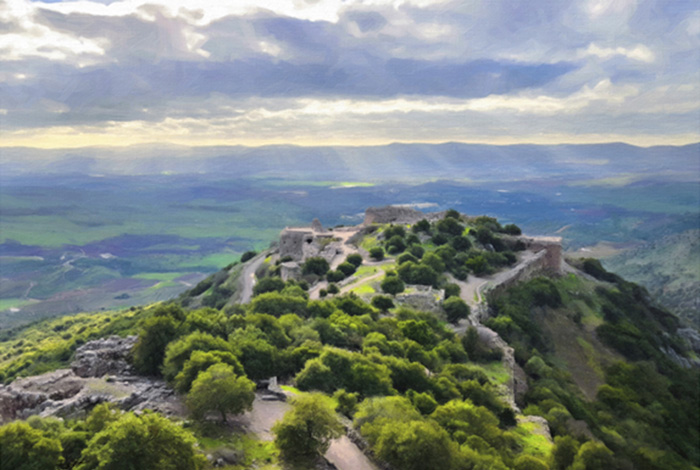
(395, 162)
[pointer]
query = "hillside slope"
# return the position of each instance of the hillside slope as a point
(539, 364)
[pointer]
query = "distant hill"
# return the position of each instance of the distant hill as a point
(669, 268)
(395, 162)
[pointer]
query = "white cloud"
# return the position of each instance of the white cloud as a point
(639, 52)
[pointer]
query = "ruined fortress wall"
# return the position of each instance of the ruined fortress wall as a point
(546, 261)
(392, 214)
(292, 243)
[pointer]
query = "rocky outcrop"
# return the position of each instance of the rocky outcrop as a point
(99, 373)
(104, 356)
(392, 215)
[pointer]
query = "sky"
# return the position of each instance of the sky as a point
(348, 72)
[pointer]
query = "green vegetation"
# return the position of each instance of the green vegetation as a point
(418, 393)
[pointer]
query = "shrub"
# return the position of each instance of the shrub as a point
(335, 276)
(248, 255)
(376, 253)
(382, 302)
(354, 259)
(316, 265)
(347, 268)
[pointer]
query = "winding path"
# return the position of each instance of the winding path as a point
(248, 276)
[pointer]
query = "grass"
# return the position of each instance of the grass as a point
(6, 304)
(159, 276)
(496, 371)
(262, 455)
(533, 442)
(364, 289)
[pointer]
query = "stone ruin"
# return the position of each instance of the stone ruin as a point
(302, 243)
(392, 215)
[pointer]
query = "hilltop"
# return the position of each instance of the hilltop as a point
(441, 339)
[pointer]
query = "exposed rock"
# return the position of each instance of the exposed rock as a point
(65, 393)
(692, 337)
(316, 225)
(423, 298)
(392, 214)
(290, 270)
(104, 356)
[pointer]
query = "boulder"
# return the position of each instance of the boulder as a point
(104, 356)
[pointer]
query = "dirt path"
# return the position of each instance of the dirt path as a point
(248, 276)
(343, 453)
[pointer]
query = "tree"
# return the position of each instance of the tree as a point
(248, 255)
(376, 253)
(347, 268)
(305, 432)
(593, 456)
(456, 309)
(528, 462)
(416, 445)
(146, 441)
(395, 244)
(219, 389)
(452, 290)
(149, 350)
(421, 226)
(354, 259)
(392, 285)
(512, 229)
(564, 452)
(25, 448)
(382, 302)
(180, 351)
(316, 265)
(268, 284)
(200, 361)
(450, 226)
(335, 276)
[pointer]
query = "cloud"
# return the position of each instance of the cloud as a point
(379, 70)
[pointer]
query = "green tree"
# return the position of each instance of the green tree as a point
(456, 309)
(268, 284)
(392, 285)
(219, 389)
(316, 265)
(347, 268)
(354, 259)
(200, 361)
(421, 226)
(593, 456)
(305, 432)
(149, 350)
(452, 290)
(382, 302)
(376, 253)
(564, 452)
(248, 255)
(25, 448)
(149, 441)
(528, 462)
(179, 351)
(416, 445)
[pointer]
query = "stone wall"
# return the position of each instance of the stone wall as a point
(292, 243)
(392, 214)
(546, 261)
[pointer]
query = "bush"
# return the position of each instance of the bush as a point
(248, 255)
(376, 253)
(335, 276)
(452, 290)
(316, 265)
(392, 285)
(456, 309)
(512, 229)
(268, 284)
(333, 289)
(347, 268)
(355, 259)
(382, 302)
